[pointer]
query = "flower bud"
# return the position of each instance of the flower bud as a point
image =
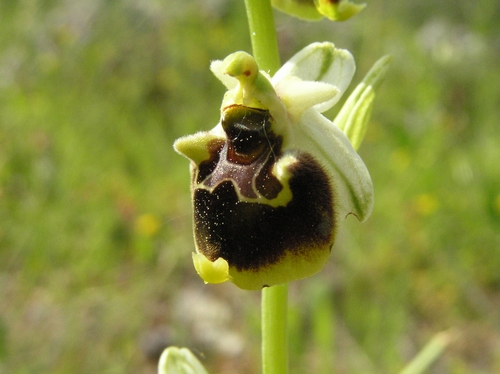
(313, 10)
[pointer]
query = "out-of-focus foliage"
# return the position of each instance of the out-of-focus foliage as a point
(95, 240)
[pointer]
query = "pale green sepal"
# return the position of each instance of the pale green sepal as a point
(351, 179)
(175, 360)
(211, 272)
(338, 11)
(302, 9)
(354, 116)
(320, 62)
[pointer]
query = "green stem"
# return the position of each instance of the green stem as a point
(274, 299)
(274, 329)
(263, 35)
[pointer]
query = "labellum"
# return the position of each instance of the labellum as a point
(272, 180)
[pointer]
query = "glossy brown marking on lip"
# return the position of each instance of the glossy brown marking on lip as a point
(248, 131)
(246, 157)
(265, 182)
(207, 167)
(250, 236)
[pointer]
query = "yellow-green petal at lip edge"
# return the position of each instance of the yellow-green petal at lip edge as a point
(195, 147)
(320, 62)
(176, 360)
(338, 11)
(211, 272)
(302, 9)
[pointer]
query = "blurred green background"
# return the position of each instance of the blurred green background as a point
(95, 215)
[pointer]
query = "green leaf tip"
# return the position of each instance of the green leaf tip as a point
(431, 352)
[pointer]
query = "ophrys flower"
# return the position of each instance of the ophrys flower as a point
(272, 180)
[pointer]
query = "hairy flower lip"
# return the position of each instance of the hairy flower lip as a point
(272, 180)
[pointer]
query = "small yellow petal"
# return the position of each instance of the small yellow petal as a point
(195, 147)
(211, 272)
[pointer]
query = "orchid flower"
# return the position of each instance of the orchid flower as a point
(274, 178)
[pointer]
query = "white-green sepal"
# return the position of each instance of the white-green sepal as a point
(330, 146)
(217, 68)
(320, 62)
(354, 116)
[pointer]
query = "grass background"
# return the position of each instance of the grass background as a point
(95, 230)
